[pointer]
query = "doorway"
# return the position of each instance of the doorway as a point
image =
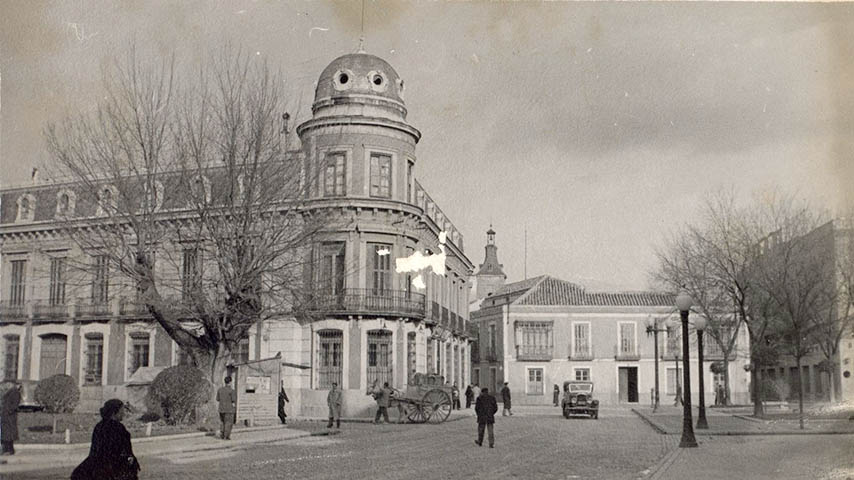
(628, 384)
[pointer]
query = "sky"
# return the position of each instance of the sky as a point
(597, 128)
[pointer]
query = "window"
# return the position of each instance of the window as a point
(13, 348)
(26, 208)
(410, 354)
(380, 175)
(106, 200)
(139, 351)
(430, 366)
(627, 339)
(330, 353)
(535, 381)
(475, 376)
(491, 339)
(581, 340)
(200, 188)
(334, 180)
(52, 355)
(379, 266)
(94, 359)
(100, 280)
(672, 380)
(18, 283)
(582, 374)
(409, 168)
(332, 268)
(379, 357)
(57, 281)
(191, 276)
(241, 351)
(534, 340)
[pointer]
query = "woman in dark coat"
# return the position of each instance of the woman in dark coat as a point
(111, 454)
(469, 396)
(9, 419)
(283, 399)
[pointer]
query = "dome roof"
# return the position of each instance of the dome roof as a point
(359, 74)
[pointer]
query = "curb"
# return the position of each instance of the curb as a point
(661, 467)
(134, 441)
(650, 422)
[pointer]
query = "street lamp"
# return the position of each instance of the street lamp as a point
(700, 325)
(653, 328)
(683, 302)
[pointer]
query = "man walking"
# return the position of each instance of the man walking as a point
(333, 401)
(505, 398)
(283, 399)
(9, 419)
(469, 396)
(383, 398)
(227, 398)
(485, 408)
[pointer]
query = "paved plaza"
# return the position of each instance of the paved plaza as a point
(536, 443)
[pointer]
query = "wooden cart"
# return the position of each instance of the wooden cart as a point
(426, 399)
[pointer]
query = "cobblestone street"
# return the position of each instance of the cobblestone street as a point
(617, 446)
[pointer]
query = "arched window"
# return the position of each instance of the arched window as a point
(65, 203)
(52, 355)
(330, 357)
(107, 200)
(200, 188)
(26, 208)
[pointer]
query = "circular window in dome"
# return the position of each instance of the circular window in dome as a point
(342, 80)
(378, 81)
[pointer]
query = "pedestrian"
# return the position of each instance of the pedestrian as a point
(455, 393)
(720, 395)
(111, 453)
(485, 408)
(505, 398)
(469, 396)
(283, 399)
(678, 400)
(333, 401)
(556, 394)
(9, 419)
(383, 398)
(227, 398)
(475, 392)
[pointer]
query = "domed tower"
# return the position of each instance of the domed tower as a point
(357, 143)
(490, 274)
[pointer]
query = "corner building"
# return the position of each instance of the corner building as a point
(367, 322)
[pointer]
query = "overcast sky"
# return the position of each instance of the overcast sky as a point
(598, 127)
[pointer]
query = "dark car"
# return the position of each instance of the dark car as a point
(578, 399)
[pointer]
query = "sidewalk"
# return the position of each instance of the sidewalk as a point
(38, 457)
(668, 420)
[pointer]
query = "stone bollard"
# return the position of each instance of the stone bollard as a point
(67, 436)
(148, 429)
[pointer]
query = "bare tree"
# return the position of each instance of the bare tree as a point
(199, 204)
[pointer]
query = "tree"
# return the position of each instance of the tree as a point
(199, 203)
(58, 394)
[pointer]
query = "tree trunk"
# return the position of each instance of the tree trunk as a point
(800, 393)
(208, 417)
(55, 416)
(725, 400)
(831, 381)
(757, 390)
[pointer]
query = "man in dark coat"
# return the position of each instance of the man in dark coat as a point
(485, 408)
(227, 398)
(9, 419)
(283, 399)
(505, 398)
(469, 396)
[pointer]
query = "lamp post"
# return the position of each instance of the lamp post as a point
(683, 302)
(652, 328)
(700, 325)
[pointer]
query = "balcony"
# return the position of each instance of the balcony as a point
(626, 354)
(534, 352)
(93, 310)
(44, 311)
(133, 309)
(366, 301)
(11, 313)
(488, 355)
(585, 355)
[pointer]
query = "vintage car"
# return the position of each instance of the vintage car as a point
(578, 399)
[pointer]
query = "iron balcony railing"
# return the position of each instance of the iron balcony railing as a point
(132, 308)
(13, 312)
(43, 310)
(630, 353)
(580, 355)
(93, 309)
(369, 301)
(534, 352)
(488, 355)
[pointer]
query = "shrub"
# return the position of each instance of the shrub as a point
(58, 394)
(717, 367)
(176, 392)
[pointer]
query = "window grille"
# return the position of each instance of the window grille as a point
(18, 283)
(379, 357)
(329, 358)
(13, 347)
(94, 359)
(534, 340)
(101, 280)
(191, 277)
(241, 351)
(57, 281)
(410, 354)
(139, 351)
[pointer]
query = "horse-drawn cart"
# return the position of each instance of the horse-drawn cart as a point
(426, 399)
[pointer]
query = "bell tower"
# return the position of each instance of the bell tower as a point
(490, 274)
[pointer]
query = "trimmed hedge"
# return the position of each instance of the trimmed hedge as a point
(58, 394)
(176, 392)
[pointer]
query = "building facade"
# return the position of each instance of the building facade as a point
(543, 331)
(368, 321)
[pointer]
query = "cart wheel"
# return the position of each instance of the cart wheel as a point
(415, 413)
(437, 404)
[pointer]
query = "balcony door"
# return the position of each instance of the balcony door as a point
(332, 268)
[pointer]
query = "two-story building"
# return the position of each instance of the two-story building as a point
(368, 322)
